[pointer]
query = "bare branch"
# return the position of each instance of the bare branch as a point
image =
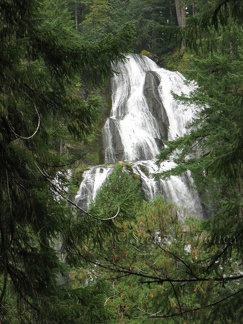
(36, 130)
(113, 267)
(178, 259)
(224, 250)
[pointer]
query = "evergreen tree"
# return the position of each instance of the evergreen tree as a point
(116, 201)
(45, 73)
(153, 263)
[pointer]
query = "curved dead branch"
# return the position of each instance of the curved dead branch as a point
(34, 133)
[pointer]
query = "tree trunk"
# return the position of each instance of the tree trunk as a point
(181, 12)
(76, 16)
(181, 19)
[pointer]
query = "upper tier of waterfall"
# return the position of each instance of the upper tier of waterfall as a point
(144, 114)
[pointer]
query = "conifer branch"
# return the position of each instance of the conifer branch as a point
(179, 259)
(197, 308)
(177, 297)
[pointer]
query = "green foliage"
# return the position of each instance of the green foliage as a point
(78, 305)
(119, 190)
(152, 22)
(120, 195)
(159, 268)
(45, 98)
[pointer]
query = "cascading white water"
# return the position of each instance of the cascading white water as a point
(131, 131)
(144, 114)
(92, 181)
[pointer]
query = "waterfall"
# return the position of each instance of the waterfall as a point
(144, 114)
(92, 181)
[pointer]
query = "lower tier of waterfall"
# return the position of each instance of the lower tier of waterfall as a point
(179, 190)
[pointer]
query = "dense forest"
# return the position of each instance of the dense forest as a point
(62, 264)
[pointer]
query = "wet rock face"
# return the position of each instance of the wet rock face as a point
(155, 104)
(116, 142)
